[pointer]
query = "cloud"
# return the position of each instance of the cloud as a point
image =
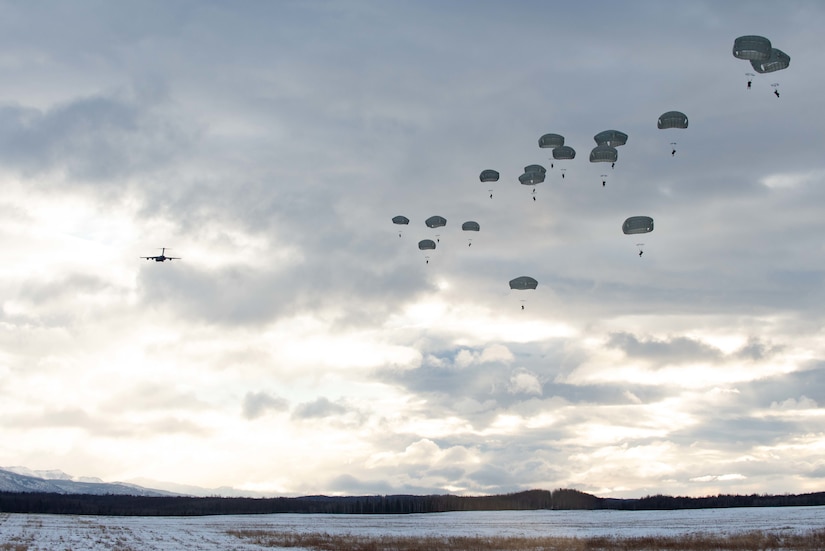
(98, 139)
(256, 404)
(318, 408)
(669, 350)
(524, 382)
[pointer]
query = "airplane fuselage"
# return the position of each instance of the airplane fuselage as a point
(161, 257)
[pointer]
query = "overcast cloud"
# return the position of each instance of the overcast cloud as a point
(300, 346)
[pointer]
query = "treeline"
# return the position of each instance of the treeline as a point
(562, 499)
(124, 505)
(661, 502)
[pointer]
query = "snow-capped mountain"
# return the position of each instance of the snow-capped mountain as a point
(22, 479)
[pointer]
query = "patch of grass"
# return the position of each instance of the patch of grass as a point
(813, 540)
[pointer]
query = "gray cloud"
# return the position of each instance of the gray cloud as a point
(675, 349)
(96, 140)
(319, 408)
(256, 404)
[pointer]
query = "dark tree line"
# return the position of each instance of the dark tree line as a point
(721, 501)
(124, 505)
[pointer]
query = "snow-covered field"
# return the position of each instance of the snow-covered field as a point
(98, 533)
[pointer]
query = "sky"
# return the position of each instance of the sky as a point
(301, 346)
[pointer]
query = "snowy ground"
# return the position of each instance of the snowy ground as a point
(97, 533)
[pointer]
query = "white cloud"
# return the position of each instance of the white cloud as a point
(524, 382)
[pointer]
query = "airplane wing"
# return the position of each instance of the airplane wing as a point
(149, 257)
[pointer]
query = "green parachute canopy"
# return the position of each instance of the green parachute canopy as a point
(777, 61)
(752, 47)
(523, 283)
(400, 220)
(604, 154)
(551, 140)
(435, 221)
(564, 152)
(531, 178)
(613, 138)
(426, 244)
(470, 225)
(637, 224)
(489, 175)
(672, 119)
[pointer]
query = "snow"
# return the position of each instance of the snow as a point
(101, 533)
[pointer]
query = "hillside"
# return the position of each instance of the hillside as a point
(22, 480)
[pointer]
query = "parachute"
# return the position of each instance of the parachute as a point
(564, 152)
(551, 140)
(531, 178)
(763, 57)
(672, 119)
(613, 138)
(604, 154)
(523, 283)
(533, 174)
(400, 220)
(435, 222)
(777, 61)
(426, 245)
(470, 225)
(637, 224)
(489, 175)
(752, 47)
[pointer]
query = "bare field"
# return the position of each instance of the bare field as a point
(749, 541)
(785, 529)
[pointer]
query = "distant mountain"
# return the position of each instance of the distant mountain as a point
(198, 491)
(22, 479)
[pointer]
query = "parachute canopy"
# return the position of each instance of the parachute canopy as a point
(564, 152)
(778, 60)
(551, 140)
(435, 221)
(426, 244)
(470, 226)
(672, 119)
(613, 138)
(523, 283)
(752, 47)
(535, 168)
(637, 224)
(531, 178)
(400, 220)
(604, 154)
(489, 175)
